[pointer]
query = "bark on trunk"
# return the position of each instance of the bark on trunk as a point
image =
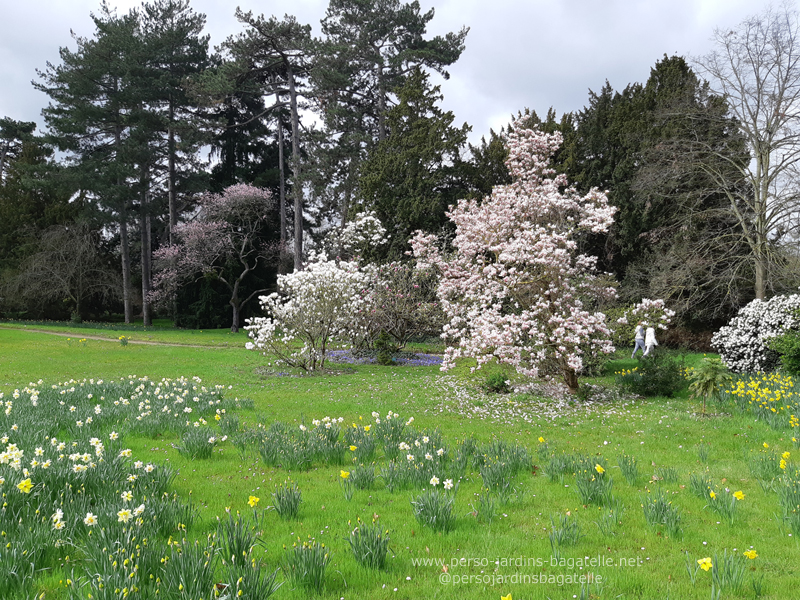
(125, 252)
(297, 181)
(147, 317)
(282, 170)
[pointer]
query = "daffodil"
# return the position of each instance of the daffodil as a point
(751, 554)
(766, 445)
(344, 474)
(785, 455)
(253, 501)
(541, 441)
(599, 469)
(705, 563)
(712, 494)
(25, 486)
(353, 448)
(738, 495)
(506, 597)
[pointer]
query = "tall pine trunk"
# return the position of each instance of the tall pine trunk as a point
(125, 249)
(147, 275)
(297, 182)
(282, 200)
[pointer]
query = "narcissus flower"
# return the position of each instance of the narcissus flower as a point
(751, 554)
(738, 495)
(253, 501)
(25, 486)
(705, 563)
(344, 474)
(599, 469)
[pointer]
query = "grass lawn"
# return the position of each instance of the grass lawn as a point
(479, 557)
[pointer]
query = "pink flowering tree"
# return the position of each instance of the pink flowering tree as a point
(226, 231)
(516, 289)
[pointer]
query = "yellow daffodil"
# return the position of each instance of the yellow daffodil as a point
(353, 448)
(766, 445)
(506, 597)
(253, 501)
(712, 494)
(785, 456)
(782, 464)
(344, 474)
(541, 441)
(751, 554)
(738, 495)
(366, 427)
(599, 469)
(705, 563)
(25, 486)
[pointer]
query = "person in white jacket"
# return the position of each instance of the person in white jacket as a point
(638, 339)
(650, 341)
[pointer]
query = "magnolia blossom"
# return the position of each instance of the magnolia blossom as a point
(516, 289)
(313, 306)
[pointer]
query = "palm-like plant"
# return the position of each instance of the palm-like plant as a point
(708, 379)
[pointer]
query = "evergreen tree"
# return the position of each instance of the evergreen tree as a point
(413, 175)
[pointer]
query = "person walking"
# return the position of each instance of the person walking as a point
(638, 339)
(650, 341)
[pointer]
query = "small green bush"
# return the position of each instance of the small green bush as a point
(788, 347)
(496, 383)
(656, 375)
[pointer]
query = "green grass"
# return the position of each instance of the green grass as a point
(659, 433)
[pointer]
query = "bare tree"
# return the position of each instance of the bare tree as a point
(756, 68)
(68, 266)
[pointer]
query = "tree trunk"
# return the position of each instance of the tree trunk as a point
(125, 249)
(235, 320)
(147, 317)
(381, 106)
(571, 379)
(173, 209)
(282, 171)
(125, 252)
(297, 182)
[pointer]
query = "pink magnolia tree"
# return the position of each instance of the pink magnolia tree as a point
(516, 288)
(227, 230)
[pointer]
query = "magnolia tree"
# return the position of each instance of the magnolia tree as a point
(743, 343)
(314, 306)
(227, 230)
(516, 287)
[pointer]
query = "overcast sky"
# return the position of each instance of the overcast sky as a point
(519, 53)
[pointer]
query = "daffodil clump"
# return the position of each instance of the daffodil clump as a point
(69, 484)
(773, 398)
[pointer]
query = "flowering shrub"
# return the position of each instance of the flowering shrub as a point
(516, 286)
(743, 344)
(314, 305)
(227, 231)
(651, 313)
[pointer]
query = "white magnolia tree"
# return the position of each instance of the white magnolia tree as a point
(314, 306)
(517, 289)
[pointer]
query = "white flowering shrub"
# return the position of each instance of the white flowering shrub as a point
(651, 313)
(743, 343)
(314, 306)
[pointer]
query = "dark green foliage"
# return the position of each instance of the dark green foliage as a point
(385, 348)
(496, 383)
(656, 375)
(410, 178)
(649, 146)
(788, 347)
